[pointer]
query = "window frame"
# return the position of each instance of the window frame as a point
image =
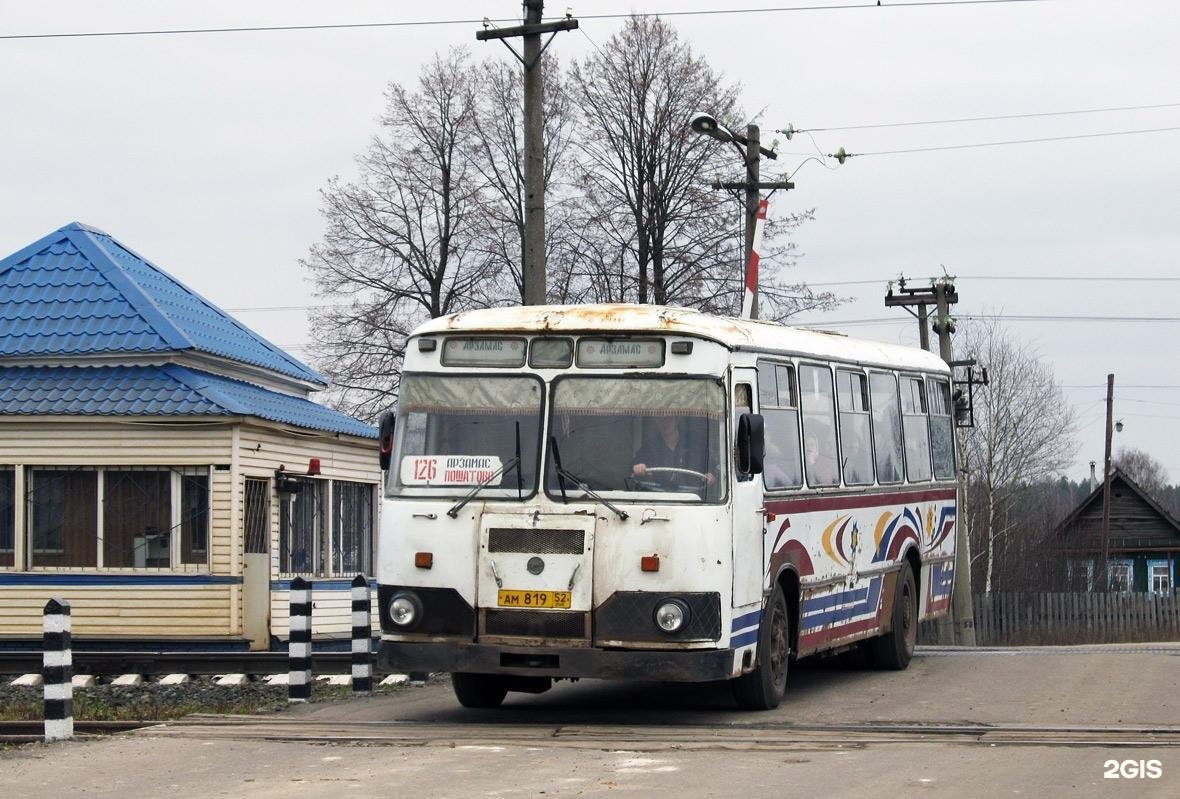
(945, 383)
(830, 367)
(894, 376)
(176, 563)
(867, 412)
(324, 546)
(793, 381)
(1166, 565)
(924, 401)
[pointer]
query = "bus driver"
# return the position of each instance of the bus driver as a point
(665, 450)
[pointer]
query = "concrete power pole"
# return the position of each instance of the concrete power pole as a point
(961, 606)
(533, 272)
(941, 294)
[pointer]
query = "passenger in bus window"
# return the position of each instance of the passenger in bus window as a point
(669, 448)
(821, 461)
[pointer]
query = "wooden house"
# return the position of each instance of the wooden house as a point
(161, 465)
(1144, 541)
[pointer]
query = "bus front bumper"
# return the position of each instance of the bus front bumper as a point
(696, 665)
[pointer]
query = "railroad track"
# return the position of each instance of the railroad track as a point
(152, 663)
(650, 737)
(32, 731)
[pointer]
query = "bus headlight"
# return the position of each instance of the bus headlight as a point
(672, 615)
(405, 610)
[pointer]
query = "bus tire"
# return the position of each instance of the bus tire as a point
(765, 686)
(894, 649)
(478, 690)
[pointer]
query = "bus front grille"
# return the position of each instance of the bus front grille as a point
(536, 623)
(536, 541)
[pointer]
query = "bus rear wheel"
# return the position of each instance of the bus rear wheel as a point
(894, 649)
(478, 690)
(765, 686)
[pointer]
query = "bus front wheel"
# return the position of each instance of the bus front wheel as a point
(478, 690)
(765, 686)
(894, 649)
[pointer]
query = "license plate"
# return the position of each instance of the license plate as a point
(533, 599)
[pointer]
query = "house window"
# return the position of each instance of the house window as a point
(119, 517)
(7, 516)
(1120, 576)
(352, 528)
(257, 517)
(194, 518)
(326, 528)
(1160, 574)
(63, 517)
(137, 519)
(301, 522)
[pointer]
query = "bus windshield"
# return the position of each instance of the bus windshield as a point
(455, 432)
(642, 437)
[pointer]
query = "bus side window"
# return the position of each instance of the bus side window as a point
(887, 444)
(914, 425)
(778, 404)
(743, 402)
(942, 430)
(852, 394)
(819, 426)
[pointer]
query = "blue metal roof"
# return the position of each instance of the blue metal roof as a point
(79, 292)
(169, 390)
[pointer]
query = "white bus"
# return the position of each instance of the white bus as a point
(636, 491)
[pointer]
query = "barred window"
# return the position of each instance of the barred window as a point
(325, 528)
(352, 528)
(7, 516)
(120, 517)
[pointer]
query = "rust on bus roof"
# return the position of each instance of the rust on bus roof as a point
(608, 319)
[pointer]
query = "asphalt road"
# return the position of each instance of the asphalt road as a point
(1036, 722)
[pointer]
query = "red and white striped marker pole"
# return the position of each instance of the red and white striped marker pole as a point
(752, 267)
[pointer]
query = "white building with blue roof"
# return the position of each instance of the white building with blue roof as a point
(161, 465)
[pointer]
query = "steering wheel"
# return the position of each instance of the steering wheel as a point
(704, 478)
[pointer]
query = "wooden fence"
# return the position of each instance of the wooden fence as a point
(1010, 619)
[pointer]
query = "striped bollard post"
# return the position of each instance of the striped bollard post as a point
(57, 671)
(362, 636)
(299, 642)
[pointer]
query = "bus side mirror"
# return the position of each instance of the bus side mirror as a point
(751, 443)
(385, 440)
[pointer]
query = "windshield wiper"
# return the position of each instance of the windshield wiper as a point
(579, 483)
(458, 506)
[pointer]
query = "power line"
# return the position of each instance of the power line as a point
(1006, 142)
(430, 22)
(1071, 278)
(1006, 317)
(1032, 115)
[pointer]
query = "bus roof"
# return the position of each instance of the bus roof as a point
(737, 334)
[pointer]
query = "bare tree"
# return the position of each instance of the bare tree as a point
(1024, 434)
(1145, 470)
(651, 227)
(402, 242)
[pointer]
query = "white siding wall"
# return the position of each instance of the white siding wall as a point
(127, 609)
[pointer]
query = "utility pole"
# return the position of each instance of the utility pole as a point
(533, 271)
(1104, 575)
(752, 186)
(942, 295)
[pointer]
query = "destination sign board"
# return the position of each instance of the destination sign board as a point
(483, 351)
(602, 353)
(448, 470)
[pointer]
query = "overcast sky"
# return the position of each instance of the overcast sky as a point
(205, 153)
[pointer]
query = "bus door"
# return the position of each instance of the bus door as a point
(535, 575)
(749, 520)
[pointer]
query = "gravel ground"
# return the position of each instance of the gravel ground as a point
(153, 701)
